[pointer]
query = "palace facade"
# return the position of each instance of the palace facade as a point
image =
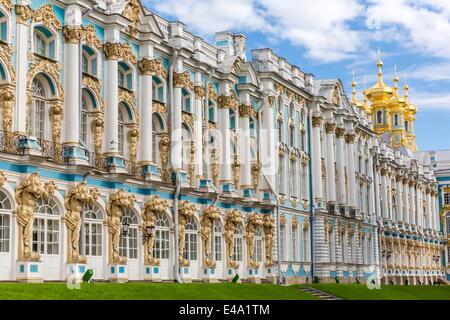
(134, 148)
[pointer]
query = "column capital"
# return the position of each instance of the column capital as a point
(72, 34)
(350, 137)
(182, 80)
(151, 67)
(340, 132)
(112, 50)
(228, 102)
(23, 13)
(199, 92)
(271, 100)
(246, 110)
(330, 126)
(317, 120)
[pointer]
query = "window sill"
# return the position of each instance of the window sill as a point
(126, 89)
(45, 57)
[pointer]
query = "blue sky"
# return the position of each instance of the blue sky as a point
(330, 38)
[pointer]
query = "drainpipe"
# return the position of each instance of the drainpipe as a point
(375, 183)
(176, 196)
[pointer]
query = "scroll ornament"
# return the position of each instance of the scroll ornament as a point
(254, 221)
(210, 214)
(233, 219)
(185, 211)
(269, 237)
(149, 215)
(74, 202)
(117, 203)
(27, 193)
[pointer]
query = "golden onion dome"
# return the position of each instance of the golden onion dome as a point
(396, 101)
(380, 91)
(410, 108)
(358, 104)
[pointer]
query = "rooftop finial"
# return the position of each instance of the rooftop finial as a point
(396, 79)
(379, 66)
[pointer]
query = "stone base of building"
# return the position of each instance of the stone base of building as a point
(152, 273)
(117, 273)
(29, 272)
(75, 271)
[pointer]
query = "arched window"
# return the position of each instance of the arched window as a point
(232, 119)
(5, 222)
(396, 120)
(258, 250)
(280, 131)
(282, 242)
(281, 173)
(447, 220)
(46, 227)
(93, 230)
(363, 249)
(84, 121)
(190, 240)
(294, 242)
(394, 209)
(217, 241)
(212, 111)
(379, 117)
(407, 126)
(128, 246)
(293, 178)
(186, 147)
(157, 128)
(344, 247)
(36, 111)
(305, 244)
(238, 243)
(162, 242)
(44, 43)
(331, 245)
(292, 135)
(125, 76)
(89, 61)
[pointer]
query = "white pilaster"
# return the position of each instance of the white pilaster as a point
(340, 133)
(331, 177)
(175, 115)
(316, 158)
(350, 139)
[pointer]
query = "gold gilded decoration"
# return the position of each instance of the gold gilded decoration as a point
(316, 120)
(164, 145)
(47, 17)
(269, 238)
(256, 170)
(233, 219)
(98, 125)
(199, 92)
(152, 67)
(336, 98)
(294, 222)
(254, 221)
(282, 199)
(182, 80)
(211, 92)
(72, 34)
(23, 13)
(119, 51)
(56, 115)
(188, 118)
(28, 191)
(271, 100)
(329, 127)
(74, 202)
(246, 110)
(350, 137)
(340, 132)
(294, 202)
(7, 101)
(192, 163)
(51, 68)
(94, 85)
(131, 12)
(149, 216)
(210, 214)
(236, 167)
(89, 36)
(186, 211)
(133, 140)
(215, 166)
(5, 54)
(283, 220)
(305, 224)
(7, 4)
(228, 102)
(118, 202)
(3, 178)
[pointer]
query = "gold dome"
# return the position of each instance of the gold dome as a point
(396, 102)
(410, 108)
(380, 92)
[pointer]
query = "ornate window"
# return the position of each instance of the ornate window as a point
(186, 147)
(258, 250)
(157, 128)
(5, 222)
(446, 198)
(238, 243)
(282, 243)
(125, 76)
(293, 178)
(44, 43)
(158, 89)
(93, 230)
(281, 173)
(190, 240)
(280, 130)
(344, 247)
(331, 245)
(128, 246)
(379, 117)
(294, 242)
(3, 27)
(36, 111)
(185, 101)
(46, 227)
(304, 178)
(217, 241)
(162, 242)
(396, 120)
(84, 121)
(305, 244)
(89, 61)
(447, 220)
(211, 111)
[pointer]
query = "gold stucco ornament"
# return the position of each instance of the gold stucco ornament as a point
(210, 214)
(74, 202)
(149, 216)
(254, 221)
(234, 218)
(7, 100)
(118, 202)
(269, 238)
(27, 193)
(185, 211)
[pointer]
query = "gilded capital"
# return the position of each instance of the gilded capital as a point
(23, 13)
(227, 102)
(329, 127)
(112, 50)
(152, 67)
(245, 110)
(350, 137)
(271, 101)
(340, 132)
(72, 34)
(182, 80)
(316, 120)
(199, 92)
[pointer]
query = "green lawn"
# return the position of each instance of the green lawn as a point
(151, 291)
(361, 292)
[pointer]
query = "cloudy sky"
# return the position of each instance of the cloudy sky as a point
(330, 38)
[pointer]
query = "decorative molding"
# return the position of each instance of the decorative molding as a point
(7, 103)
(47, 17)
(23, 13)
(269, 238)
(56, 116)
(133, 142)
(182, 80)
(72, 34)
(254, 221)
(185, 211)
(209, 215)
(131, 12)
(152, 67)
(119, 51)
(256, 170)
(231, 222)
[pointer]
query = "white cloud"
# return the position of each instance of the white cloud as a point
(431, 72)
(431, 101)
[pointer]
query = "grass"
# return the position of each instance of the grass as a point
(361, 292)
(151, 291)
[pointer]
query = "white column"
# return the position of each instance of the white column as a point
(406, 201)
(331, 176)
(244, 142)
(371, 205)
(111, 106)
(418, 206)
(145, 150)
(175, 115)
(412, 202)
(72, 86)
(378, 192)
(340, 133)
(268, 159)
(21, 73)
(399, 189)
(384, 193)
(437, 213)
(350, 139)
(316, 158)
(225, 176)
(198, 124)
